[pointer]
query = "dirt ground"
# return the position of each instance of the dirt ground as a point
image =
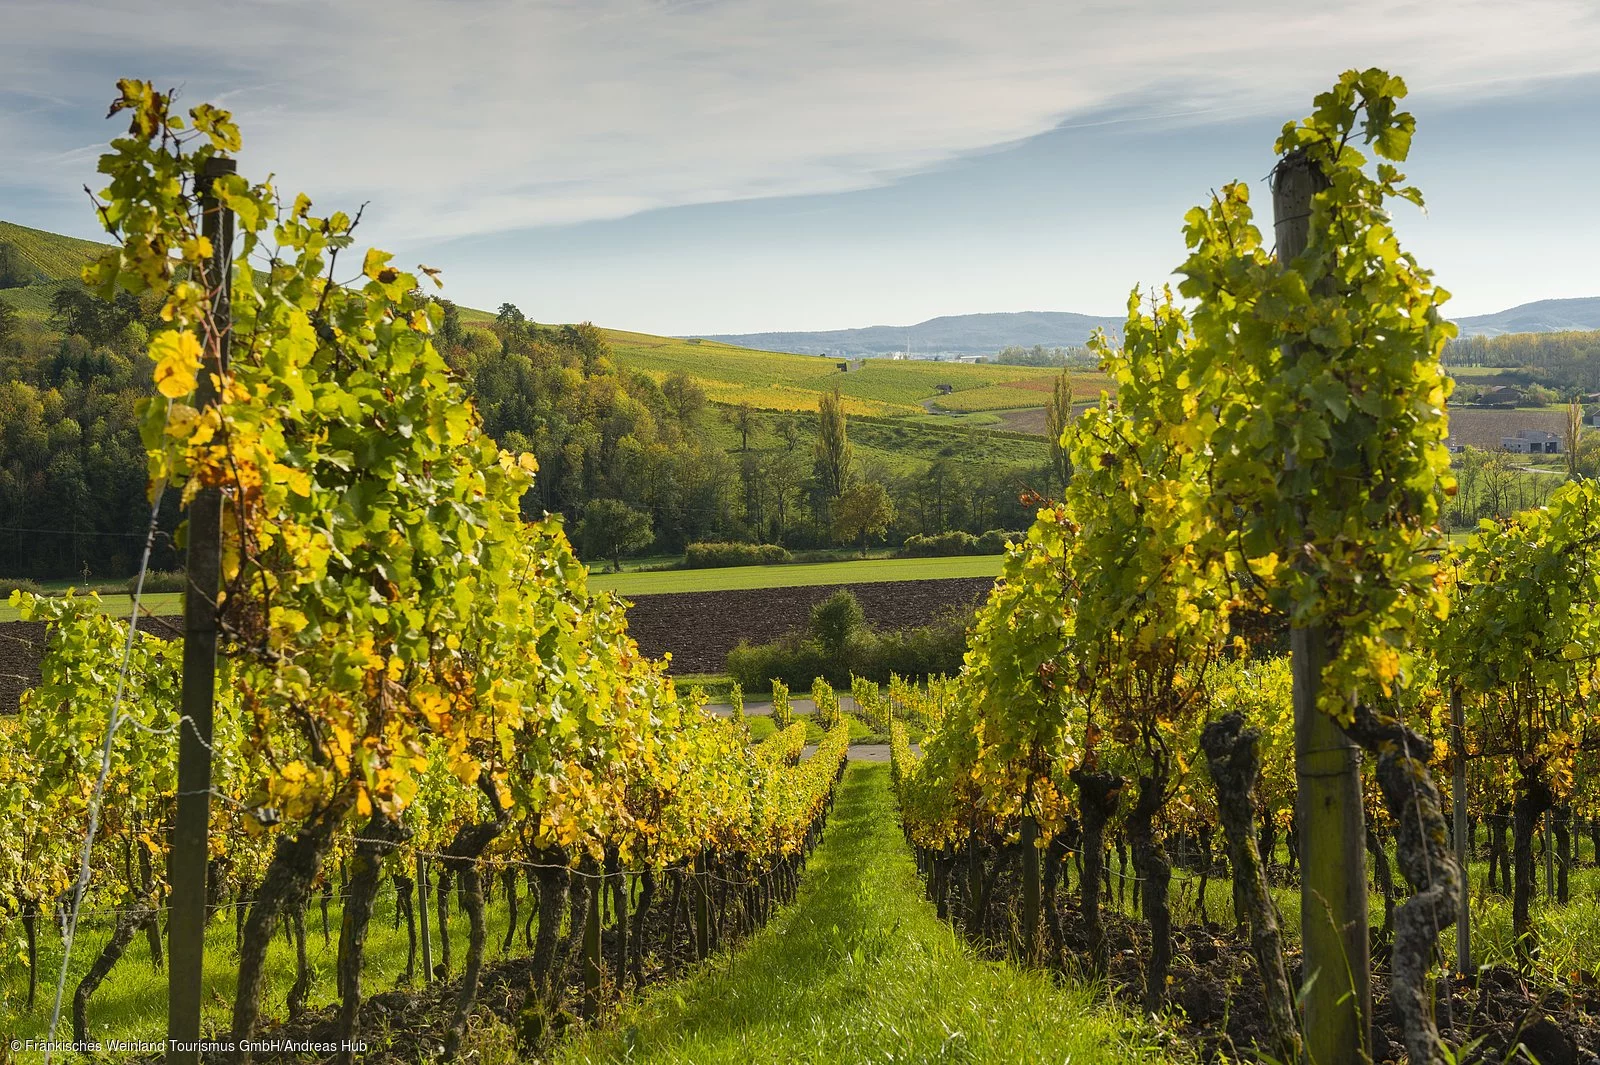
(700, 628)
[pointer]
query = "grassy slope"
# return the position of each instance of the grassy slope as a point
(58, 258)
(861, 969)
(775, 381)
(764, 379)
(869, 571)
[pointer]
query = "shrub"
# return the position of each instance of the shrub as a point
(925, 651)
(709, 555)
(19, 584)
(939, 544)
(836, 620)
(993, 542)
(794, 659)
(161, 581)
(957, 542)
(791, 660)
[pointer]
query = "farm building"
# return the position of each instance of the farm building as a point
(1504, 396)
(1532, 442)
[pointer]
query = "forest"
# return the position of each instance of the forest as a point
(652, 463)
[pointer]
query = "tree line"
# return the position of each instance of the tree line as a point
(631, 462)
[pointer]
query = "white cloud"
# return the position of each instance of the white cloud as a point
(479, 116)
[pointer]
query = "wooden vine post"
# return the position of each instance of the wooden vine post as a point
(591, 948)
(1458, 740)
(422, 916)
(191, 851)
(702, 910)
(1336, 989)
(1031, 893)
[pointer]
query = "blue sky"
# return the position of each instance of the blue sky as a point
(686, 166)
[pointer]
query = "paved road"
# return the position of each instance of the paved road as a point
(860, 752)
(763, 707)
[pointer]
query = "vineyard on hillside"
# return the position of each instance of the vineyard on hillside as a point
(1238, 648)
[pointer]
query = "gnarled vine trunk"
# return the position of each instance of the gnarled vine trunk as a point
(1428, 864)
(1233, 754)
(1098, 795)
(301, 988)
(294, 865)
(1533, 799)
(461, 857)
(1155, 873)
(377, 839)
(553, 887)
(137, 915)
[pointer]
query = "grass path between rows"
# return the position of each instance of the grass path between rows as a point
(861, 969)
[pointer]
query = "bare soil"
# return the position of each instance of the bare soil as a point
(700, 628)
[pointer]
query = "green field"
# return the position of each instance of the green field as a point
(157, 604)
(777, 381)
(733, 578)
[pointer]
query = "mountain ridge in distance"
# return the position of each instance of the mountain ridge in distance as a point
(986, 333)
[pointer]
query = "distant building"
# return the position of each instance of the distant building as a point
(844, 367)
(944, 390)
(1532, 442)
(1504, 396)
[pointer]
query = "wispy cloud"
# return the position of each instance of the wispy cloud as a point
(458, 118)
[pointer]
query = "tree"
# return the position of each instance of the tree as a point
(1574, 435)
(684, 395)
(450, 329)
(743, 419)
(863, 512)
(837, 620)
(15, 271)
(1057, 418)
(510, 316)
(10, 322)
(833, 449)
(610, 529)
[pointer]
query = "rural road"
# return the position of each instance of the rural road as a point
(763, 707)
(859, 752)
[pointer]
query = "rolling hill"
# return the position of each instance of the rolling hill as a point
(730, 374)
(1540, 316)
(965, 334)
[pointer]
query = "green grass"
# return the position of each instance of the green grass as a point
(159, 604)
(132, 1003)
(1569, 935)
(868, 571)
(861, 969)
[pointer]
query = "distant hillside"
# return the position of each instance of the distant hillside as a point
(52, 259)
(965, 334)
(1540, 316)
(731, 375)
